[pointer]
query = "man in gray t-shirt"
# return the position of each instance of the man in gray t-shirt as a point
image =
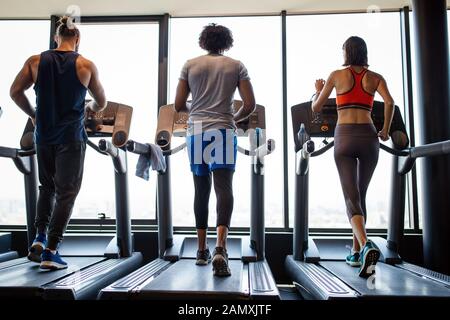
(212, 80)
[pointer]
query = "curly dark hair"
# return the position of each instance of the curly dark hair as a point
(355, 52)
(215, 38)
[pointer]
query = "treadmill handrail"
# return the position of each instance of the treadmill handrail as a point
(395, 152)
(6, 152)
(143, 148)
(95, 147)
(322, 150)
(262, 151)
(427, 150)
(431, 149)
(26, 153)
(117, 155)
(108, 148)
(13, 153)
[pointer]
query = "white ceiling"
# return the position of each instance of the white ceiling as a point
(45, 8)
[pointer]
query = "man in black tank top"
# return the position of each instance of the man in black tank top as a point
(61, 80)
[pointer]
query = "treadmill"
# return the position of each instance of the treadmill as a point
(174, 274)
(317, 266)
(25, 161)
(94, 260)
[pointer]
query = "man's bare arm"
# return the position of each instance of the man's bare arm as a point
(182, 96)
(248, 98)
(22, 82)
(96, 90)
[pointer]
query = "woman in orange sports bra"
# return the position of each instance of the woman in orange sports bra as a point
(356, 144)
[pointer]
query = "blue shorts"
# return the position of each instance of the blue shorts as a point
(212, 149)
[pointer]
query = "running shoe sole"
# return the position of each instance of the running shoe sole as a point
(35, 252)
(370, 259)
(353, 264)
(220, 267)
(51, 265)
(202, 262)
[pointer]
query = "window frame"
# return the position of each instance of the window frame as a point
(411, 190)
(164, 27)
(8, 227)
(163, 22)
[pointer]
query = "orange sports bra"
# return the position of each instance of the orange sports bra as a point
(356, 97)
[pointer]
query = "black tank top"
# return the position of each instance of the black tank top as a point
(59, 99)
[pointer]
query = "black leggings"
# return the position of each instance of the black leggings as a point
(223, 185)
(356, 149)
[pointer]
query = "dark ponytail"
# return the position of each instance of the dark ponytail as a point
(67, 28)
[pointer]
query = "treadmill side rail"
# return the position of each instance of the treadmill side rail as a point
(123, 288)
(314, 282)
(6, 256)
(262, 283)
(86, 283)
(426, 273)
(14, 262)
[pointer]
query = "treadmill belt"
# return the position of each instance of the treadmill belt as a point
(389, 281)
(186, 279)
(29, 274)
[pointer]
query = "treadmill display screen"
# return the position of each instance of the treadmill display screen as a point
(175, 123)
(114, 121)
(322, 124)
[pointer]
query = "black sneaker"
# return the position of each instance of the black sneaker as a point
(203, 257)
(220, 262)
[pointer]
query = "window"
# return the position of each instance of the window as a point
(314, 49)
(257, 43)
(126, 55)
(21, 39)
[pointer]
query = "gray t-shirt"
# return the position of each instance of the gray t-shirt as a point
(212, 80)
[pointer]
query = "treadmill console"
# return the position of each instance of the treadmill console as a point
(174, 123)
(114, 121)
(322, 124)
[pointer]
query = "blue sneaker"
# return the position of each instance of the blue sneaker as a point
(369, 258)
(38, 246)
(52, 261)
(353, 259)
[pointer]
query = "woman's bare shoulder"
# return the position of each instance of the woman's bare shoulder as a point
(375, 75)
